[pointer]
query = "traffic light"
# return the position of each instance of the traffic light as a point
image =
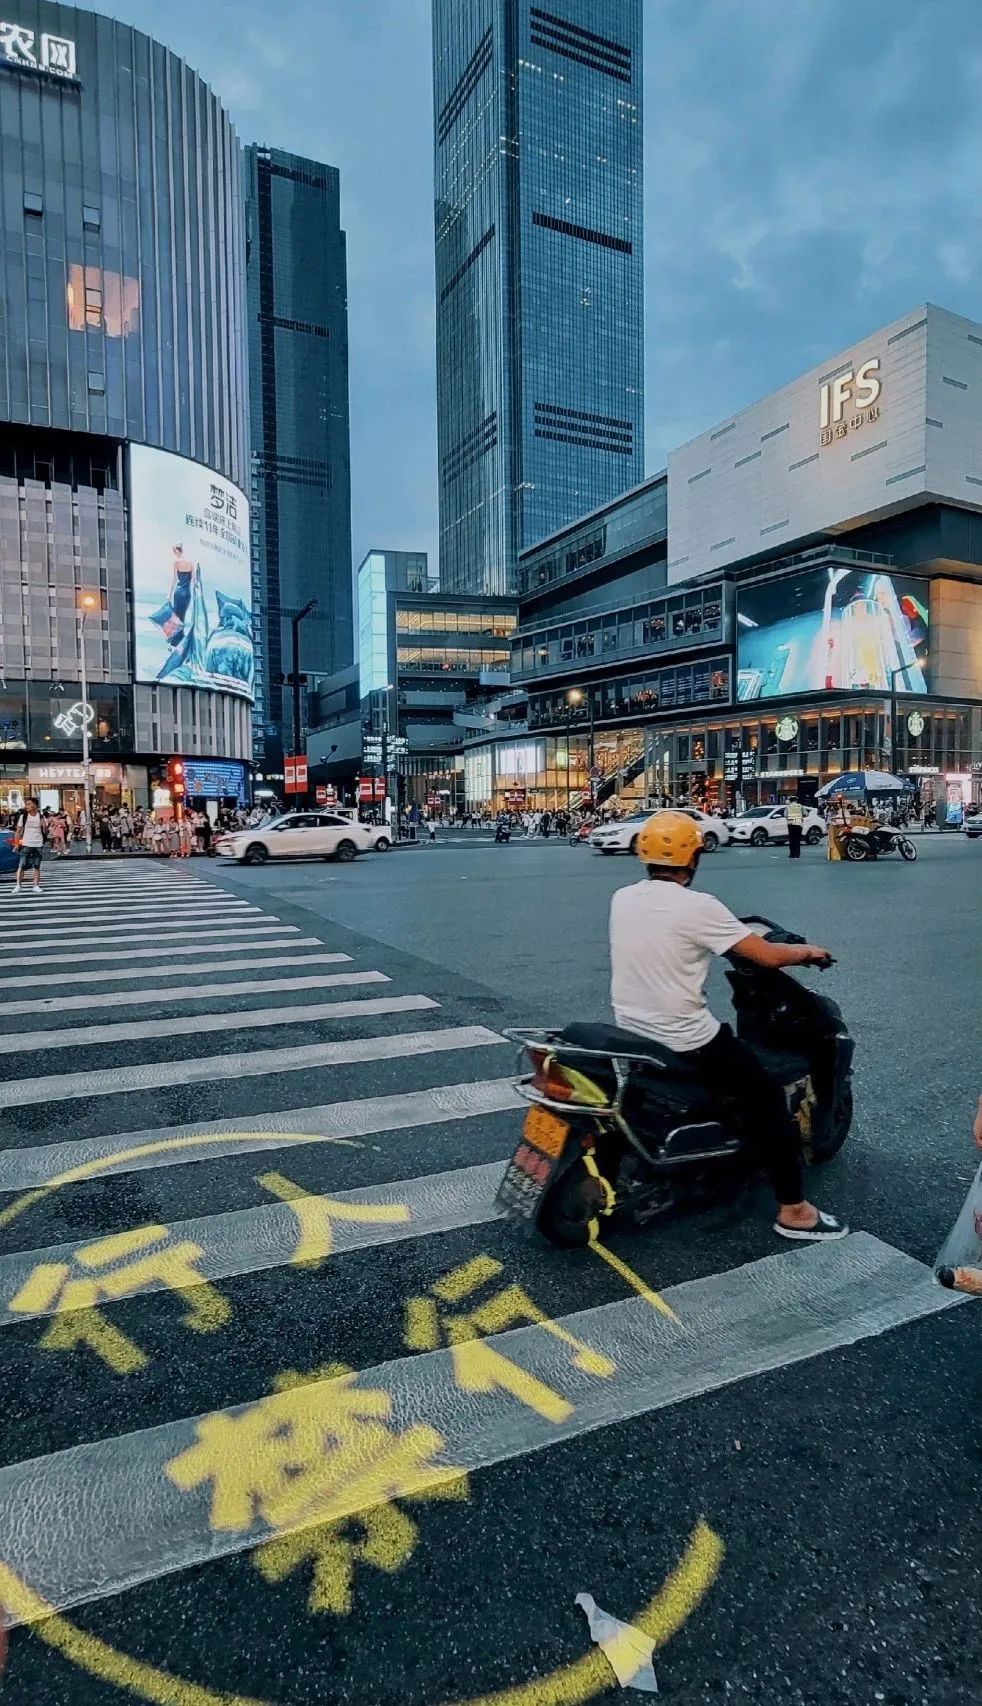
(175, 782)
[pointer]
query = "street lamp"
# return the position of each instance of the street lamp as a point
(576, 696)
(295, 677)
(893, 716)
(84, 602)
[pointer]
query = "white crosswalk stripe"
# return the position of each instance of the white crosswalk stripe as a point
(145, 1511)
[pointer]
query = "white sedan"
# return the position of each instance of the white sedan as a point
(623, 837)
(763, 824)
(303, 835)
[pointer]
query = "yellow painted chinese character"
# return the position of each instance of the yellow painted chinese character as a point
(314, 1215)
(479, 1367)
(308, 1455)
(383, 1537)
(133, 1265)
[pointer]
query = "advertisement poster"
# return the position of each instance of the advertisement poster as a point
(843, 629)
(192, 586)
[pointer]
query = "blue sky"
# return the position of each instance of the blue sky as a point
(813, 170)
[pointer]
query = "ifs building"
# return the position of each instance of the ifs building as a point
(756, 615)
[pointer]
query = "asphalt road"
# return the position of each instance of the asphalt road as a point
(808, 1471)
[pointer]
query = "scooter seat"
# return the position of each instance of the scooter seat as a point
(611, 1039)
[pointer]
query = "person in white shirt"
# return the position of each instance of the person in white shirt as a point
(663, 935)
(30, 840)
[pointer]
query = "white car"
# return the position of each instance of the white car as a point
(623, 837)
(303, 835)
(763, 824)
(972, 822)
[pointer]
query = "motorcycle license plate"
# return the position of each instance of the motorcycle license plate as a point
(533, 1164)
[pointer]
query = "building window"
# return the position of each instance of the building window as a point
(97, 381)
(33, 203)
(112, 298)
(91, 217)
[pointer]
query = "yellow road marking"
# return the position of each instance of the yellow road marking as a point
(162, 1146)
(570, 1685)
(635, 1282)
(314, 1215)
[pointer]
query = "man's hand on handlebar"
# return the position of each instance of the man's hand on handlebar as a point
(809, 955)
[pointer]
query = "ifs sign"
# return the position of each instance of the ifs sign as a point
(850, 400)
(25, 50)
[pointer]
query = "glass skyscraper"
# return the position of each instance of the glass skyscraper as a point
(296, 273)
(539, 272)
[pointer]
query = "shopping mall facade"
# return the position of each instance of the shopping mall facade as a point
(799, 594)
(123, 417)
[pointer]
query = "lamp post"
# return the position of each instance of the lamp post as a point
(576, 696)
(295, 622)
(84, 602)
(893, 716)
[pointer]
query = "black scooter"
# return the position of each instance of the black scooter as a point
(621, 1128)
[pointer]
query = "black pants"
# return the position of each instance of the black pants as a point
(728, 1065)
(794, 840)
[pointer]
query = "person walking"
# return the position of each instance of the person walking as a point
(29, 839)
(796, 823)
(58, 835)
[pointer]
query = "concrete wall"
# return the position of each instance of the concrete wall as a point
(956, 639)
(764, 479)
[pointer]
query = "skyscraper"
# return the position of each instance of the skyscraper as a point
(298, 385)
(539, 272)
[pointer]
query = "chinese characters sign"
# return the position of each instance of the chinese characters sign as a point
(25, 50)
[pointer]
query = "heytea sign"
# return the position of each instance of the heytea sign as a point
(25, 50)
(850, 400)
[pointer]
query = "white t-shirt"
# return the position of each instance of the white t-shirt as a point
(662, 938)
(32, 830)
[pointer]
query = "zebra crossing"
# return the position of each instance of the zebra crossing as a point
(185, 1159)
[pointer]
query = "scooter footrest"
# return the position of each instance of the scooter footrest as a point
(703, 1141)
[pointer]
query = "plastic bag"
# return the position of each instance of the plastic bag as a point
(961, 1251)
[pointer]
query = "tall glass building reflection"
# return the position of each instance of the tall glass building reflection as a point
(539, 272)
(301, 465)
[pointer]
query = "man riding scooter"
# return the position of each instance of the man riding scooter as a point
(663, 934)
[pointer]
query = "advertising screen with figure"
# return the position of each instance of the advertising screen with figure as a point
(852, 630)
(192, 586)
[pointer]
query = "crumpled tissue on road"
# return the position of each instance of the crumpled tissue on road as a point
(627, 1651)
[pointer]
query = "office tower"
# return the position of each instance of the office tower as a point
(298, 382)
(539, 272)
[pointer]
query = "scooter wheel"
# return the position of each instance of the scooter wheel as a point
(906, 849)
(828, 1141)
(855, 850)
(569, 1216)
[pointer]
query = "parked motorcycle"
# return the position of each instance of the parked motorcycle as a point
(621, 1128)
(861, 841)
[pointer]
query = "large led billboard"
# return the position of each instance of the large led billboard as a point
(849, 630)
(192, 586)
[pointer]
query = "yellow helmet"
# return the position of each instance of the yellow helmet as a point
(669, 838)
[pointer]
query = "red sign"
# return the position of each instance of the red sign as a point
(366, 790)
(325, 796)
(295, 775)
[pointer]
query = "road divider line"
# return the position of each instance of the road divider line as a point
(53, 1165)
(238, 933)
(251, 1240)
(211, 1486)
(177, 950)
(197, 1024)
(190, 992)
(164, 970)
(205, 1069)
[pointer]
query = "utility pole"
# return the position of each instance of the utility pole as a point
(295, 677)
(84, 602)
